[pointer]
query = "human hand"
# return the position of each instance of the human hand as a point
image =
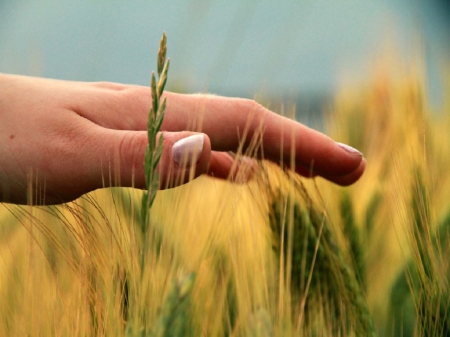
(62, 139)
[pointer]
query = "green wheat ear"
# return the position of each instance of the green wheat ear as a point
(152, 156)
(155, 119)
(173, 319)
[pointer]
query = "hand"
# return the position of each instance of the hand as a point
(64, 139)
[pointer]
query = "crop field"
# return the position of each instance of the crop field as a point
(279, 256)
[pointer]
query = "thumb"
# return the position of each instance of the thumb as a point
(185, 156)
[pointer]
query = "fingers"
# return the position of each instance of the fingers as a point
(226, 166)
(185, 156)
(349, 178)
(230, 122)
(113, 106)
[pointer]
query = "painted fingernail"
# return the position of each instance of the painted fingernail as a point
(186, 151)
(349, 149)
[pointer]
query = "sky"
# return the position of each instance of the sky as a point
(232, 47)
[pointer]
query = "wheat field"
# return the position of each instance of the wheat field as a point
(279, 256)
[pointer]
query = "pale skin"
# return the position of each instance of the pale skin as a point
(70, 138)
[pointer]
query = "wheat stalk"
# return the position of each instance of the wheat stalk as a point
(152, 157)
(155, 119)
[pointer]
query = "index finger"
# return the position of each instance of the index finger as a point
(231, 121)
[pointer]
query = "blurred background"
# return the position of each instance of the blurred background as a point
(311, 54)
(300, 51)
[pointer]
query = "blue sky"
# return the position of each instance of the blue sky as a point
(234, 46)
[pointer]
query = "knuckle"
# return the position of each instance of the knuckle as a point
(131, 148)
(255, 109)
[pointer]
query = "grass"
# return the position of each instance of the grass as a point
(279, 256)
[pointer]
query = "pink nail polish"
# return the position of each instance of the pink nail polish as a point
(349, 149)
(186, 151)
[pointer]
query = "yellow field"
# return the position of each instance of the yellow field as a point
(280, 256)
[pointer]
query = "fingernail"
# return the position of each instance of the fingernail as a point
(186, 151)
(349, 149)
